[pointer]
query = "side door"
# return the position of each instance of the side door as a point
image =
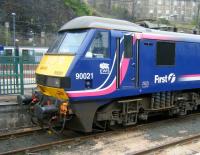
(130, 62)
(127, 71)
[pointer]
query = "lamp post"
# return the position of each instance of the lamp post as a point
(16, 58)
(13, 15)
(33, 37)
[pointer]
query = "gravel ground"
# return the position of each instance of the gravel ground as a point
(130, 142)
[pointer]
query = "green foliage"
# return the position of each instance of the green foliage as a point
(79, 7)
(194, 22)
(37, 16)
(5, 37)
(120, 12)
(164, 21)
(115, 11)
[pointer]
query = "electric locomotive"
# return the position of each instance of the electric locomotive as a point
(104, 72)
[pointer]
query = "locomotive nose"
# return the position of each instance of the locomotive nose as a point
(54, 65)
(51, 75)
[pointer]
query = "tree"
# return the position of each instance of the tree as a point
(40, 15)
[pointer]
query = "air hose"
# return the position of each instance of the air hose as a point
(50, 122)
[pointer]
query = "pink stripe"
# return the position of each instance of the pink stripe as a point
(138, 35)
(192, 75)
(156, 36)
(124, 69)
(134, 40)
(108, 89)
(152, 36)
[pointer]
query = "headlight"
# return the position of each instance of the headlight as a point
(58, 82)
(53, 82)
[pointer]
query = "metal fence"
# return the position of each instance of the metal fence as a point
(17, 73)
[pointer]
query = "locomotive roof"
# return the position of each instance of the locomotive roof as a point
(85, 22)
(104, 23)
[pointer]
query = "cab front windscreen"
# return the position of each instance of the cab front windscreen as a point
(68, 42)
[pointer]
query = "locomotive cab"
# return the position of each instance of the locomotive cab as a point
(52, 74)
(70, 63)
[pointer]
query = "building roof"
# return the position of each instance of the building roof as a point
(104, 23)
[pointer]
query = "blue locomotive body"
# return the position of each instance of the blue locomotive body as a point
(119, 73)
(139, 73)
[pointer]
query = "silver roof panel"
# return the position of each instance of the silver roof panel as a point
(85, 22)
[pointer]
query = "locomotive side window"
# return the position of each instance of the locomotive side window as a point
(8, 52)
(99, 47)
(27, 54)
(165, 54)
(127, 46)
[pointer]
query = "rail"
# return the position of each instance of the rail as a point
(66, 141)
(20, 132)
(167, 145)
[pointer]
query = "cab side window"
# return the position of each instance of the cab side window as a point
(99, 47)
(128, 49)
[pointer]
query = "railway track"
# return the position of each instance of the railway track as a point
(6, 130)
(159, 148)
(20, 132)
(68, 141)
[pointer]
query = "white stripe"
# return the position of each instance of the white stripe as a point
(99, 88)
(189, 79)
(92, 90)
(112, 67)
(108, 75)
(121, 39)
